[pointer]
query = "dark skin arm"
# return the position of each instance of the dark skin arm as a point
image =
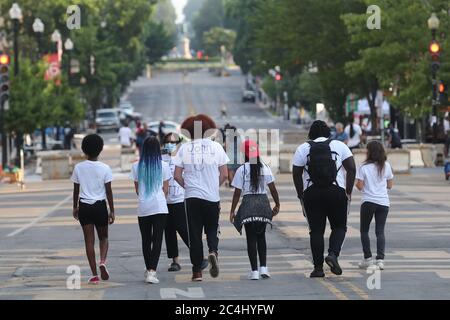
(234, 203)
(109, 197)
(76, 195)
(276, 198)
(297, 176)
(350, 167)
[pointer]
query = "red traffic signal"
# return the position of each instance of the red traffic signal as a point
(4, 59)
(442, 88)
(278, 77)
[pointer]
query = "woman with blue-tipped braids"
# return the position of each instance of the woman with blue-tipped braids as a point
(151, 180)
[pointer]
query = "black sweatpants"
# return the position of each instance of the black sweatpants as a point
(368, 211)
(202, 214)
(256, 244)
(320, 204)
(152, 230)
(176, 222)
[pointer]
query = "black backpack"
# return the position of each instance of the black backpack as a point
(322, 167)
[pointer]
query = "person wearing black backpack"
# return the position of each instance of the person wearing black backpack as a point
(324, 175)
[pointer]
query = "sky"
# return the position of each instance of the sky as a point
(179, 5)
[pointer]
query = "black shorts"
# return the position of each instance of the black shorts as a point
(96, 214)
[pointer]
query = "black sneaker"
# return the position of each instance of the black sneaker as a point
(204, 264)
(332, 262)
(174, 267)
(214, 270)
(317, 273)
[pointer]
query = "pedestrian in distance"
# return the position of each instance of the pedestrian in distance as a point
(201, 168)
(126, 136)
(374, 178)
(176, 219)
(340, 134)
(354, 133)
(255, 212)
(151, 182)
(92, 187)
(324, 175)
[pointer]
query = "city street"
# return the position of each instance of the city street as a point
(40, 239)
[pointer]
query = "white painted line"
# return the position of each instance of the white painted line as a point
(41, 217)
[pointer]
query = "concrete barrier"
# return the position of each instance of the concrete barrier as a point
(398, 158)
(422, 155)
(127, 158)
(295, 137)
(54, 164)
(74, 158)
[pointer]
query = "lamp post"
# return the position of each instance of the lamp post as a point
(15, 14)
(433, 25)
(38, 28)
(68, 45)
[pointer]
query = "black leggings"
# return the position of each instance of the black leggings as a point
(176, 222)
(152, 229)
(368, 211)
(256, 244)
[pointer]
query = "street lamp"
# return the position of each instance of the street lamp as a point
(38, 28)
(15, 14)
(433, 25)
(68, 45)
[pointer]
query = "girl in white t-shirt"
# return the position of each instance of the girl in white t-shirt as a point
(255, 211)
(151, 180)
(374, 178)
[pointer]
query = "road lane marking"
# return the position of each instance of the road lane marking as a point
(41, 217)
(357, 290)
(338, 293)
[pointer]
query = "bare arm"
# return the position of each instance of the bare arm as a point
(359, 184)
(390, 184)
(223, 174)
(109, 196)
(76, 195)
(276, 198)
(136, 187)
(166, 188)
(350, 168)
(236, 197)
(178, 176)
(297, 175)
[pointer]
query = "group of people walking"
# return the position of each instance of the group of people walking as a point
(177, 186)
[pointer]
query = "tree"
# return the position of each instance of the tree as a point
(211, 15)
(166, 15)
(157, 41)
(217, 37)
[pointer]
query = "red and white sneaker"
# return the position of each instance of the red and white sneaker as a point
(104, 271)
(94, 280)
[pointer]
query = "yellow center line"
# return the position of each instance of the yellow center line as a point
(338, 293)
(357, 290)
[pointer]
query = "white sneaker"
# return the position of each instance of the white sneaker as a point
(380, 264)
(366, 264)
(151, 277)
(254, 275)
(264, 272)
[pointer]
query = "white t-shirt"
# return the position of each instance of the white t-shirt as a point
(243, 183)
(156, 203)
(176, 192)
(125, 136)
(356, 140)
(343, 153)
(375, 187)
(201, 160)
(92, 177)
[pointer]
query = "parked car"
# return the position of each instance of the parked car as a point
(248, 96)
(107, 119)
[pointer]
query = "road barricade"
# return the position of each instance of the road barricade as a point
(54, 164)
(422, 155)
(398, 158)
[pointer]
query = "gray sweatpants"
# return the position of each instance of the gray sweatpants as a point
(368, 211)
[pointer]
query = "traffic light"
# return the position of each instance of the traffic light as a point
(278, 77)
(4, 77)
(435, 51)
(443, 93)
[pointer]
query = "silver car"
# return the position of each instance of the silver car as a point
(107, 119)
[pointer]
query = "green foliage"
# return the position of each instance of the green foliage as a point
(157, 41)
(217, 37)
(210, 15)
